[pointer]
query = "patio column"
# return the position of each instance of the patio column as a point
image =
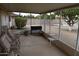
(44, 23)
(0, 24)
(9, 21)
(50, 24)
(77, 40)
(30, 19)
(0, 21)
(19, 16)
(60, 18)
(40, 19)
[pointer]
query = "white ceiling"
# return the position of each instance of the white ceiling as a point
(34, 7)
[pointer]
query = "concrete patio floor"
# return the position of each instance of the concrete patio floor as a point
(37, 46)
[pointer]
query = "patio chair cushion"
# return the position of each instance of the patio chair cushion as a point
(15, 40)
(5, 43)
(12, 35)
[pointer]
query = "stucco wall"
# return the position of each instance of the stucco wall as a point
(4, 19)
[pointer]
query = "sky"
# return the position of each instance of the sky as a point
(25, 14)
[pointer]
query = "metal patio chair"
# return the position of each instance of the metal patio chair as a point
(9, 43)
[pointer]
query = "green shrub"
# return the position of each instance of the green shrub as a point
(20, 22)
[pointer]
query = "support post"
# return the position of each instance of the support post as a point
(50, 24)
(19, 16)
(60, 18)
(44, 23)
(30, 20)
(77, 40)
(0, 24)
(40, 19)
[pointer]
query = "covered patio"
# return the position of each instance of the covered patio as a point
(52, 41)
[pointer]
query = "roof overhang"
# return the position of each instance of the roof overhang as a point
(35, 7)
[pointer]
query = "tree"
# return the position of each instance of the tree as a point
(70, 16)
(42, 16)
(52, 16)
(30, 16)
(45, 16)
(20, 21)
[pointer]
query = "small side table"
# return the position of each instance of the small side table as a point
(51, 39)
